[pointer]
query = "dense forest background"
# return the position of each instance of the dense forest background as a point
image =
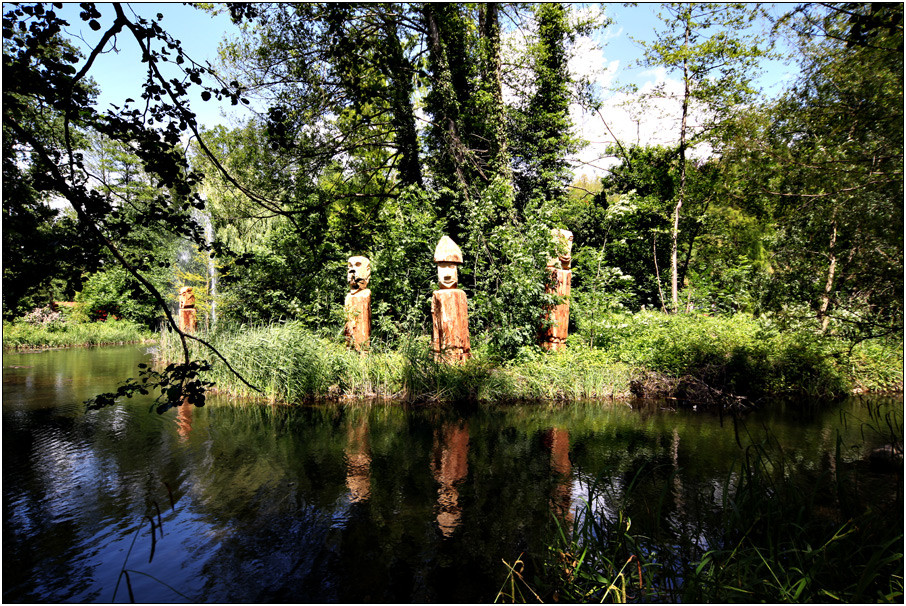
(377, 128)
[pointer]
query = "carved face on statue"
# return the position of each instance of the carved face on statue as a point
(358, 272)
(447, 275)
(186, 297)
(563, 244)
(448, 257)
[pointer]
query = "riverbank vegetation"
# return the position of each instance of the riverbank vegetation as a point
(766, 230)
(694, 358)
(43, 329)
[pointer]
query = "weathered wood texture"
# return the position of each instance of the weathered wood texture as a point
(554, 337)
(451, 326)
(358, 320)
(188, 319)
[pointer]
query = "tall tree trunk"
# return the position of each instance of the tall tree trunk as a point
(831, 270)
(684, 269)
(492, 77)
(403, 113)
(674, 269)
(445, 109)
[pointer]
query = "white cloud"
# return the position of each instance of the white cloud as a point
(632, 122)
(640, 118)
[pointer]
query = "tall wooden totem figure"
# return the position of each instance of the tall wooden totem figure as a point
(449, 307)
(358, 303)
(553, 338)
(188, 320)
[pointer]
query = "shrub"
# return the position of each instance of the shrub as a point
(44, 316)
(738, 354)
(700, 358)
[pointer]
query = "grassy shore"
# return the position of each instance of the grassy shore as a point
(22, 335)
(711, 360)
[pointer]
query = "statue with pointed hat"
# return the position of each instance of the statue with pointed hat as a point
(358, 303)
(553, 338)
(449, 307)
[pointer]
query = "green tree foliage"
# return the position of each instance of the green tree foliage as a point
(826, 162)
(108, 287)
(377, 128)
(44, 250)
(706, 44)
(341, 84)
(48, 106)
(542, 137)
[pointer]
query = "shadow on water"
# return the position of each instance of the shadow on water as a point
(349, 503)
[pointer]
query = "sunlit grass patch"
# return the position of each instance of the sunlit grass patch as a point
(20, 335)
(695, 358)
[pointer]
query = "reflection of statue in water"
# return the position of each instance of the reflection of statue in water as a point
(450, 466)
(184, 419)
(554, 337)
(358, 462)
(187, 317)
(556, 441)
(358, 303)
(449, 307)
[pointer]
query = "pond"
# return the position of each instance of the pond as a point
(337, 502)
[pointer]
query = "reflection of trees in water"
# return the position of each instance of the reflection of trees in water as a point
(342, 503)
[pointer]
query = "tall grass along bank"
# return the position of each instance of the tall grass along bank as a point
(21, 335)
(693, 358)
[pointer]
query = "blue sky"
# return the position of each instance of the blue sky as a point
(120, 75)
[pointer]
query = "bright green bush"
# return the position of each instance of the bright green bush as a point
(876, 365)
(737, 354)
(114, 292)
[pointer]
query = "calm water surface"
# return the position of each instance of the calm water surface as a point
(347, 503)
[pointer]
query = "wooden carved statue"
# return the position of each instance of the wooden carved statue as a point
(187, 316)
(553, 338)
(449, 308)
(358, 303)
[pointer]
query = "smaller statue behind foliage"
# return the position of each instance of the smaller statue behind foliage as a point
(188, 319)
(553, 338)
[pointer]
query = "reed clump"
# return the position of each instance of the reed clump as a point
(289, 363)
(579, 372)
(719, 361)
